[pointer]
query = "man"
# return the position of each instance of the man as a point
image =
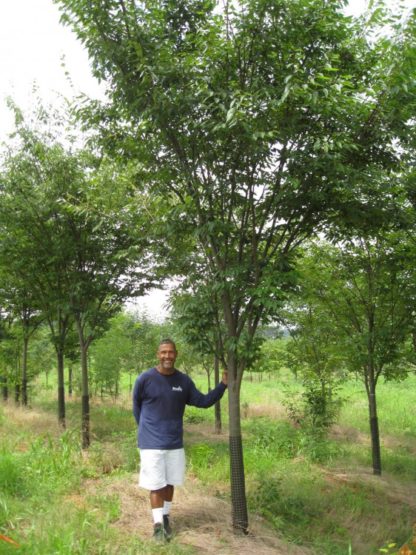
(159, 399)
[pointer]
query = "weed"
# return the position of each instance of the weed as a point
(108, 505)
(389, 547)
(195, 416)
(270, 439)
(12, 474)
(209, 463)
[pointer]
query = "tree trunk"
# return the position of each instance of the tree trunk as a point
(17, 393)
(4, 388)
(24, 371)
(218, 423)
(374, 429)
(85, 398)
(61, 388)
(70, 380)
(238, 489)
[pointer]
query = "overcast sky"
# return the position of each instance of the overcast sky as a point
(33, 48)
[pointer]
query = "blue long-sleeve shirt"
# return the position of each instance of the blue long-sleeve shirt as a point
(159, 402)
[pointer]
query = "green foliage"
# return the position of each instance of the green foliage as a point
(250, 129)
(272, 356)
(12, 477)
(197, 316)
(112, 355)
(286, 511)
(316, 409)
(271, 439)
(354, 313)
(76, 233)
(45, 469)
(256, 125)
(193, 416)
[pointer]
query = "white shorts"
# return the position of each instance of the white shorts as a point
(160, 467)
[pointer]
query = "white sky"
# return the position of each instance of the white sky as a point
(32, 46)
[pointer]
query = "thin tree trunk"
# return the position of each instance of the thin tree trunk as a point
(24, 371)
(238, 490)
(61, 388)
(371, 383)
(17, 393)
(85, 397)
(209, 378)
(70, 380)
(4, 388)
(374, 429)
(218, 423)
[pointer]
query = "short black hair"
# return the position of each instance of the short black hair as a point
(167, 341)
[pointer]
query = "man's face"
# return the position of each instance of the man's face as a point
(166, 355)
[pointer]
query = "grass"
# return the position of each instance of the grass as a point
(396, 407)
(316, 493)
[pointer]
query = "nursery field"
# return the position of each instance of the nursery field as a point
(306, 495)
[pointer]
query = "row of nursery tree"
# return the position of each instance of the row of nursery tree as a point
(260, 153)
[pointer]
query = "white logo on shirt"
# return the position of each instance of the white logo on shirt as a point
(176, 388)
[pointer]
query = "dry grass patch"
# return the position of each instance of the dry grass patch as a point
(352, 435)
(349, 435)
(395, 502)
(32, 420)
(274, 412)
(200, 521)
(385, 485)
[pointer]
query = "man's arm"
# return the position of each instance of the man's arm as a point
(137, 400)
(204, 401)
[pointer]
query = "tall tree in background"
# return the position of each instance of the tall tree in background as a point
(361, 289)
(113, 354)
(17, 296)
(107, 227)
(77, 232)
(37, 172)
(254, 123)
(4, 370)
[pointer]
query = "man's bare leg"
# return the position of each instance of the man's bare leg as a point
(159, 496)
(160, 501)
